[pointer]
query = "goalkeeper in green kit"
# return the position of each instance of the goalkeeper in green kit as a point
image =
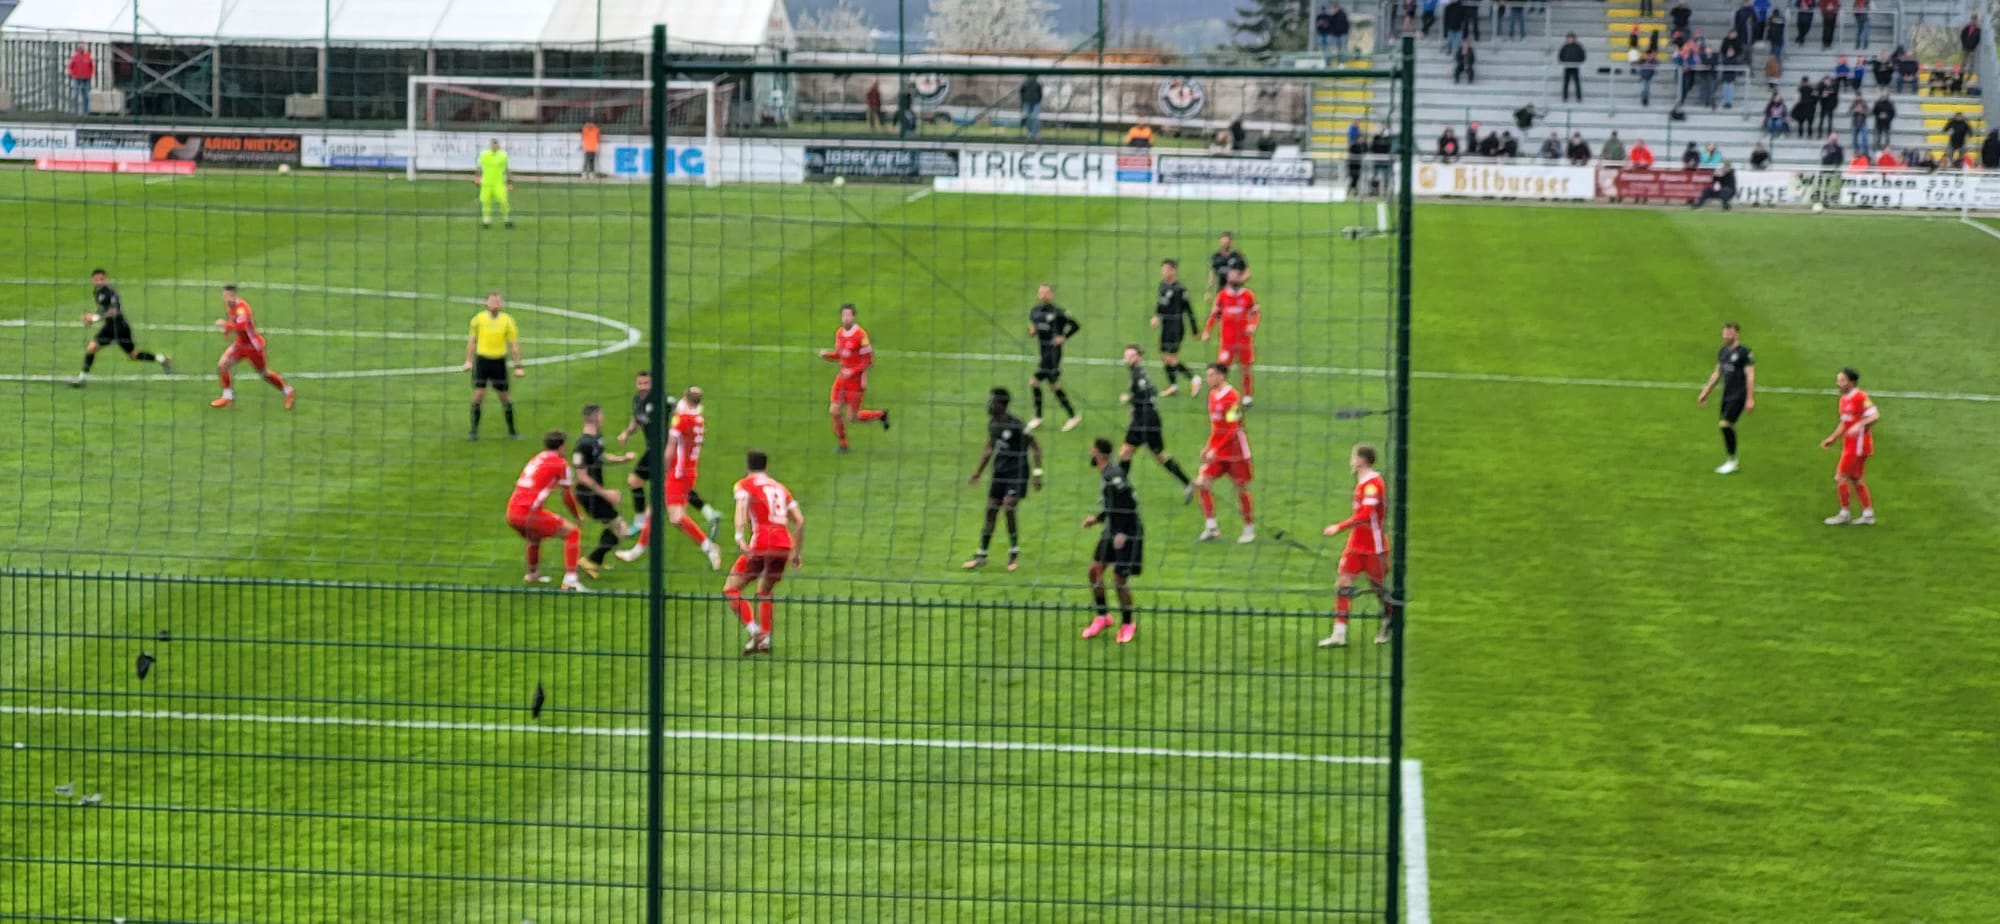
(494, 181)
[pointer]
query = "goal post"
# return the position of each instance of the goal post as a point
(442, 106)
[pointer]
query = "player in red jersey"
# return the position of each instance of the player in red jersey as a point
(1367, 547)
(248, 346)
(1236, 309)
(1227, 453)
(684, 435)
(1856, 436)
(855, 354)
(777, 531)
(546, 472)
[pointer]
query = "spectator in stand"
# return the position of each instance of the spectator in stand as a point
(1690, 158)
(81, 68)
(1885, 117)
(1139, 135)
(1578, 151)
(1552, 149)
(1472, 19)
(1722, 187)
(1763, 10)
(1841, 71)
(1687, 60)
(1807, 107)
(872, 102)
(1860, 162)
(1743, 22)
(1031, 107)
(1340, 26)
(1956, 130)
(1906, 70)
(1641, 156)
(1830, 154)
(1357, 153)
(1571, 55)
(1645, 9)
(1510, 146)
(1829, 103)
(1732, 67)
(1774, 115)
(1710, 157)
(1517, 19)
(906, 114)
(1237, 134)
(1489, 146)
(1805, 20)
(1856, 75)
(1220, 143)
(1857, 116)
(1989, 150)
(1681, 17)
(1447, 149)
(1632, 45)
(1454, 25)
(1323, 29)
(1860, 25)
(1710, 66)
(1968, 40)
(1430, 16)
(1883, 70)
(1462, 63)
(1940, 80)
(1887, 160)
(1649, 67)
(1774, 69)
(1919, 159)
(1829, 22)
(1613, 151)
(1774, 33)
(1760, 156)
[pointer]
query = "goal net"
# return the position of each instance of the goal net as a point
(542, 120)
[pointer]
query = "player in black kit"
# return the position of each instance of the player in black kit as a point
(1144, 430)
(1008, 444)
(642, 474)
(599, 502)
(1172, 314)
(116, 329)
(1121, 547)
(1736, 369)
(1052, 327)
(1225, 259)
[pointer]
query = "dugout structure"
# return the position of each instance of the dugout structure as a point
(270, 665)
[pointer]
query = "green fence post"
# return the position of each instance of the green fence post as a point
(656, 576)
(1399, 474)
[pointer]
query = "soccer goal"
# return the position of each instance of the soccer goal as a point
(451, 118)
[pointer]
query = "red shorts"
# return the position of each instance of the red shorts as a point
(678, 490)
(239, 353)
(1852, 467)
(535, 525)
(848, 389)
(1238, 470)
(761, 563)
(1236, 351)
(1368, 563)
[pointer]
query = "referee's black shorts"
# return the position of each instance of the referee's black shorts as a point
(490, 372)
(1732, 409)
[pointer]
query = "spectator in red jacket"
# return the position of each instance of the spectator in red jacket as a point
(1640, 156)
(1887, 160)
(81, 68)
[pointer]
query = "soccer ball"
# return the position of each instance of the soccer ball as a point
(1819, 206)
(840, 181)
(284, 168)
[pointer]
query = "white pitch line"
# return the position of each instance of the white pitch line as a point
(919, 194)
(1416, 856)
(1497, 378)
(312, 332)
(1978, 226)
(690, 734)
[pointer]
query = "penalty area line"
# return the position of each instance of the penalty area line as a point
(691, 734)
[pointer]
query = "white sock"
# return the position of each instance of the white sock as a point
(229, 393)
(1210, 523)
(709, 512)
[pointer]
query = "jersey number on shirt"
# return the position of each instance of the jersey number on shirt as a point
(774, 500)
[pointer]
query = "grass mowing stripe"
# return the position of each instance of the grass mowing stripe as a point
(690, 734)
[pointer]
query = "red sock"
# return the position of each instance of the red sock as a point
(572, 550)
(1243, 502)
(1249, 382)
(277, 381)
(1341, 605)
(735, 599)
(764, 612)
(646, 533)
(867, 416)
(1842, 490)
(840, 429)
(1207, 502)
(1861, 491)
(534, 557)
(228, 380)
(694, 532)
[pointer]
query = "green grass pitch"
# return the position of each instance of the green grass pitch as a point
(1640, 691)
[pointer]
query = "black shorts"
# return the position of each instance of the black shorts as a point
(1144, 430)
(489, 373)
(1732, 409)
(999, 489)
(1171, 336)
(115, 330)
(590, 161)
(1049, 369)
(1129, 560)
(596, 507)
(644, 470)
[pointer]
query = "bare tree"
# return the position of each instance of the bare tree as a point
(841, 27)
(991, 25)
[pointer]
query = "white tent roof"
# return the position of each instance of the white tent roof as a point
(690, 23)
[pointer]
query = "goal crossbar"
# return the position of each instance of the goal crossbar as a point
(419, 83)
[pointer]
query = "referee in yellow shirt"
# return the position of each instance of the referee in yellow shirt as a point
(494, 337)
